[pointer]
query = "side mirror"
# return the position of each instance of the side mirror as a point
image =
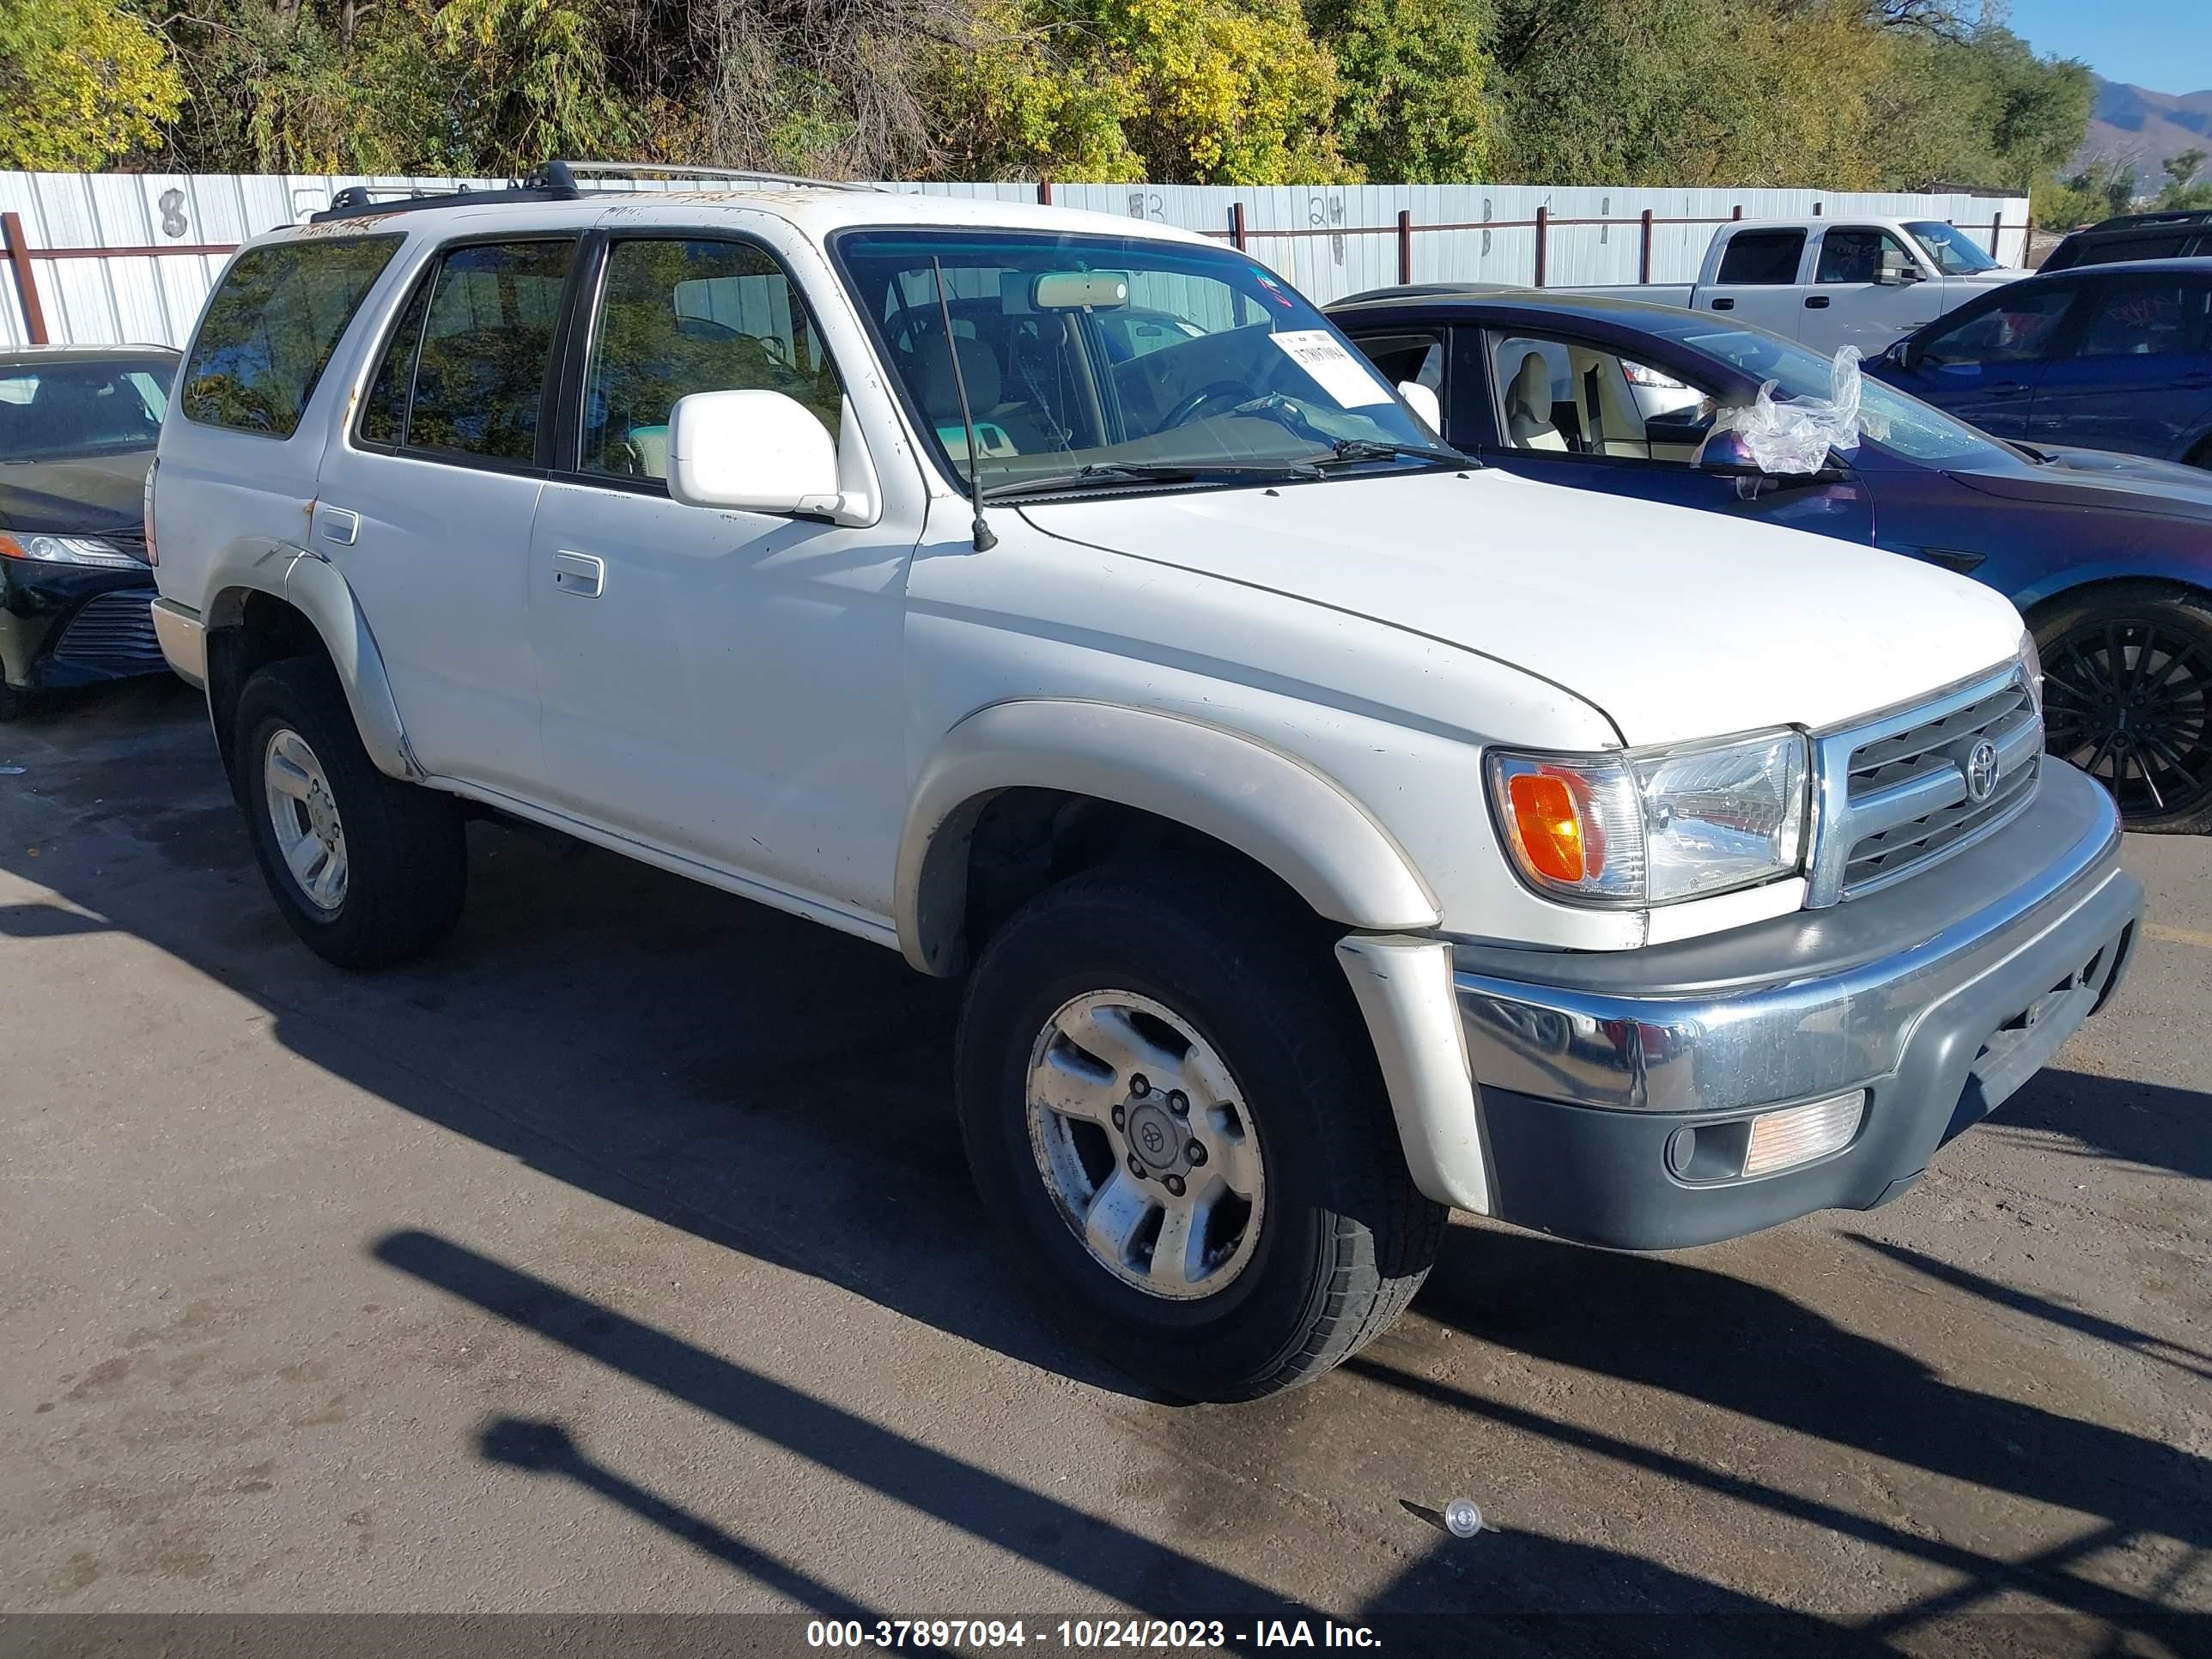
(1898, 276)
(755, 451)
(1422, 400)
(1726, 454)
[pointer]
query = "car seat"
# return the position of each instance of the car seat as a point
(1529, 406)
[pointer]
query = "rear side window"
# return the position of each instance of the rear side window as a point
(1762, 257)
(2145, 317)
(463, 371)
(2131, 247)
(270, 328)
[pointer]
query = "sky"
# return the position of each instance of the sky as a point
(2163, 45)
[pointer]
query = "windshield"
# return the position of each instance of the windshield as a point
(1955, 253)
(1887, 416)
(1134, 358)
(54, 410)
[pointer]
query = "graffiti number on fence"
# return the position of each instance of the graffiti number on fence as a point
(172, 204)
(1144, 205)
(1321, 213)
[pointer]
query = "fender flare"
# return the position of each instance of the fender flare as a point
(319, 592)
(1233, 789)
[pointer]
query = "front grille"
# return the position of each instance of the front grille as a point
(112, 634)
(1895, 791)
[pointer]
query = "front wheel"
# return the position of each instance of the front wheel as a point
(1168, 1100)
(2127, 692)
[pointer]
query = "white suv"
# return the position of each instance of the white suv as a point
(1331, 831)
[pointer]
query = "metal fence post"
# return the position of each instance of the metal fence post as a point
(1405, 246)
(1997, 235)
(1643, 259)
(1738, 212)
(18, 251)
(1044, 192)
(1543, 237)
(1236, 225)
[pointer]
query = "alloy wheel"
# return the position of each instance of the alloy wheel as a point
(2129, 702)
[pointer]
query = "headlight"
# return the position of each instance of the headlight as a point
(67, 549)
(1658, 825)
(2031, 665)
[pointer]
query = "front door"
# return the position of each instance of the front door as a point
(1867, 288)
(426, 504)
(1985, 361)
(723, 685)
(1575, 413)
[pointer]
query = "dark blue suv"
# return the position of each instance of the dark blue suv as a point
(2107, 356)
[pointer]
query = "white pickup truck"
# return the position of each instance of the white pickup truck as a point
(1331, 831)
(1831, 283)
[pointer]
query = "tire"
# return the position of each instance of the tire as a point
(2127, 682)
(400, 858)
(14, 701)
(1281, 1285)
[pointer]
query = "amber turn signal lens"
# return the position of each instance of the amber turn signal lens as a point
(1548, 818)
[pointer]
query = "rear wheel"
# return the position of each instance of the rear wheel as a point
(367, 871)
(2128, 698)
(1169, 1100)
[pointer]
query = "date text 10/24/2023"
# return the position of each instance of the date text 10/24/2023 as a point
(1086, 1635)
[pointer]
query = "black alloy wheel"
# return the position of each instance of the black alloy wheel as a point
(2128, 698)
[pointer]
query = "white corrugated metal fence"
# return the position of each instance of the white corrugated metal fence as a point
(130, 257)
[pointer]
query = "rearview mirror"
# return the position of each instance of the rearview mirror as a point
(1423, 401)
(753, 452)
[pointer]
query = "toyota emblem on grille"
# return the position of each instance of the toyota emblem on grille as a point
(1981, 770)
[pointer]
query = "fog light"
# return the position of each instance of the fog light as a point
(1801, 1133)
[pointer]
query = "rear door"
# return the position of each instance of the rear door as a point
(426, 502)
(2138, 377)
(1867, 288)
(1984, 362)
(1758, 279)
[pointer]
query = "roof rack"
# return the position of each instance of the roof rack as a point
(558, 173)
(556, 181)
(2169, 216)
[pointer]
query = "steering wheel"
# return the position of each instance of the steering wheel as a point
(1205, 394)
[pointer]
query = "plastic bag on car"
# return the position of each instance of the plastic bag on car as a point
(1796, 436)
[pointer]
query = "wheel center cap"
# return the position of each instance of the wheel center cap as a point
(1155, 1137)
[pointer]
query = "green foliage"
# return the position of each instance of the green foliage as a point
(1837, 93)
(82, 83)
(2182, 189)
(1415, 104)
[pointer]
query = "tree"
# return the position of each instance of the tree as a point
(1415, 102)
(82, 83)
(2182, 191)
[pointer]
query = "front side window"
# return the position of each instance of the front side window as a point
(2021, 325)
(2114, 250)
(1955, 253)
(1858, 255)
(679, 317)
(1762, 258)
(1240, 377)
(271, 328)
(1572, 397)
(2146, 317)
(55, 410)
(469, 356)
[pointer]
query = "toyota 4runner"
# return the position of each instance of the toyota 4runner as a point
(1331, 831)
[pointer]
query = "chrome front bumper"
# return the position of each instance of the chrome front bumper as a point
(1938, 996)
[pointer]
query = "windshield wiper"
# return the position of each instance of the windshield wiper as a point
(1113, 472)
(1349, 451)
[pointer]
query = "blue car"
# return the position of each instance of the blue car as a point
(2110, 356)
(2110, 557)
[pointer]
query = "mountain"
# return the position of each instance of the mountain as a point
(2129, 123)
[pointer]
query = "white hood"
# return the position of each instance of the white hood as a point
(1679, 624)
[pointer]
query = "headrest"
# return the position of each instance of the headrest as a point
(1532, 385)
(939, 396)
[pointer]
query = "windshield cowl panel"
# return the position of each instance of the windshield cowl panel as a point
(1149, 362)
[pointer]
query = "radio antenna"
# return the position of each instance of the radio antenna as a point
(984, 540)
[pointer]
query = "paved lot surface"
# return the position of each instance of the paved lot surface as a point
(621, 1257)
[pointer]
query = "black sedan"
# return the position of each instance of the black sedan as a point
(77, 430)
(2109, 556)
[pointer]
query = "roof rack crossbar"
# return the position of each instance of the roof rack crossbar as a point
(358, 201)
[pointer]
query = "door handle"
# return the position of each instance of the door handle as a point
(2197, 382)
(339, 525)
(2004, 389)
(1724, 305)
(1816, 303)
(579, 574)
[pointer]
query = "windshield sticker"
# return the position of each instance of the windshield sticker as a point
(1345, 377)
